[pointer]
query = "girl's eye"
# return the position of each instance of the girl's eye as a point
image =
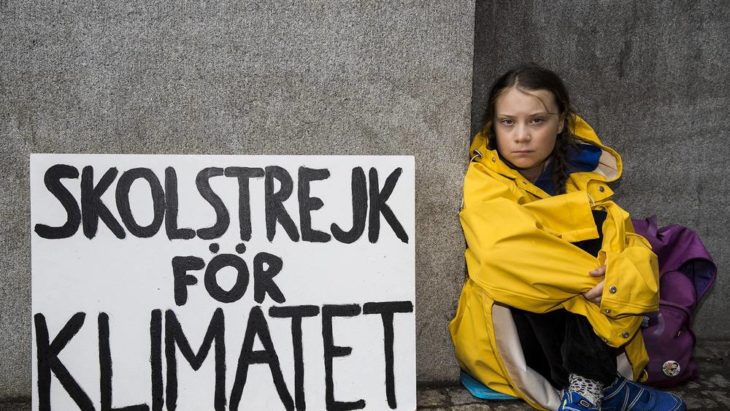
(506, 121)
(537, 120)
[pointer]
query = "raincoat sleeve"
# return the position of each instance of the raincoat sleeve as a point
(523, 257)
(521, 253)
(632, 271)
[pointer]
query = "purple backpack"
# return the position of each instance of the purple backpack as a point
(686, 275)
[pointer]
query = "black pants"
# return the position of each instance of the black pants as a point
(559, 342)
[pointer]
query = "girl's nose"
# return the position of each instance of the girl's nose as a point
(522, 134)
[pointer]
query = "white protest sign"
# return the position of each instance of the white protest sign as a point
(223, 282)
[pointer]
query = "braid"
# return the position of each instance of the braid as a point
(560, 167)
(560, 155)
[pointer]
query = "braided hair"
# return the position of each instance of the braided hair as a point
(533, 77)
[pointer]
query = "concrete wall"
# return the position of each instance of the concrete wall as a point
(653, 79)
(280, 77)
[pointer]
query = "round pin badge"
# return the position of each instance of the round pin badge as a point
(671, 368)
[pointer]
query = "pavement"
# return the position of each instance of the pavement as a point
(710, 392)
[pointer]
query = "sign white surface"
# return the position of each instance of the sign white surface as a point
(223, 282)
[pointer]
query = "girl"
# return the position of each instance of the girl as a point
(558, 281)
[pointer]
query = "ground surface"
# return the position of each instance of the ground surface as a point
(710, 392)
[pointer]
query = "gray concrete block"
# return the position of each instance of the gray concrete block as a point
(282, 77)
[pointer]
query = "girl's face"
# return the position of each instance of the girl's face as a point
(526, 124)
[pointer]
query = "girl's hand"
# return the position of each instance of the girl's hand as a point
(594, 294)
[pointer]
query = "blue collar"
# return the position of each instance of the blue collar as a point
(581, 157)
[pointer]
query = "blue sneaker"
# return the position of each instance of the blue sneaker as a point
(625, 395)
(572, 401)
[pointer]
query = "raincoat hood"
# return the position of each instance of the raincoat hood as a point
(609, 166)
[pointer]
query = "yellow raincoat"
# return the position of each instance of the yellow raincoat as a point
(519, 254)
